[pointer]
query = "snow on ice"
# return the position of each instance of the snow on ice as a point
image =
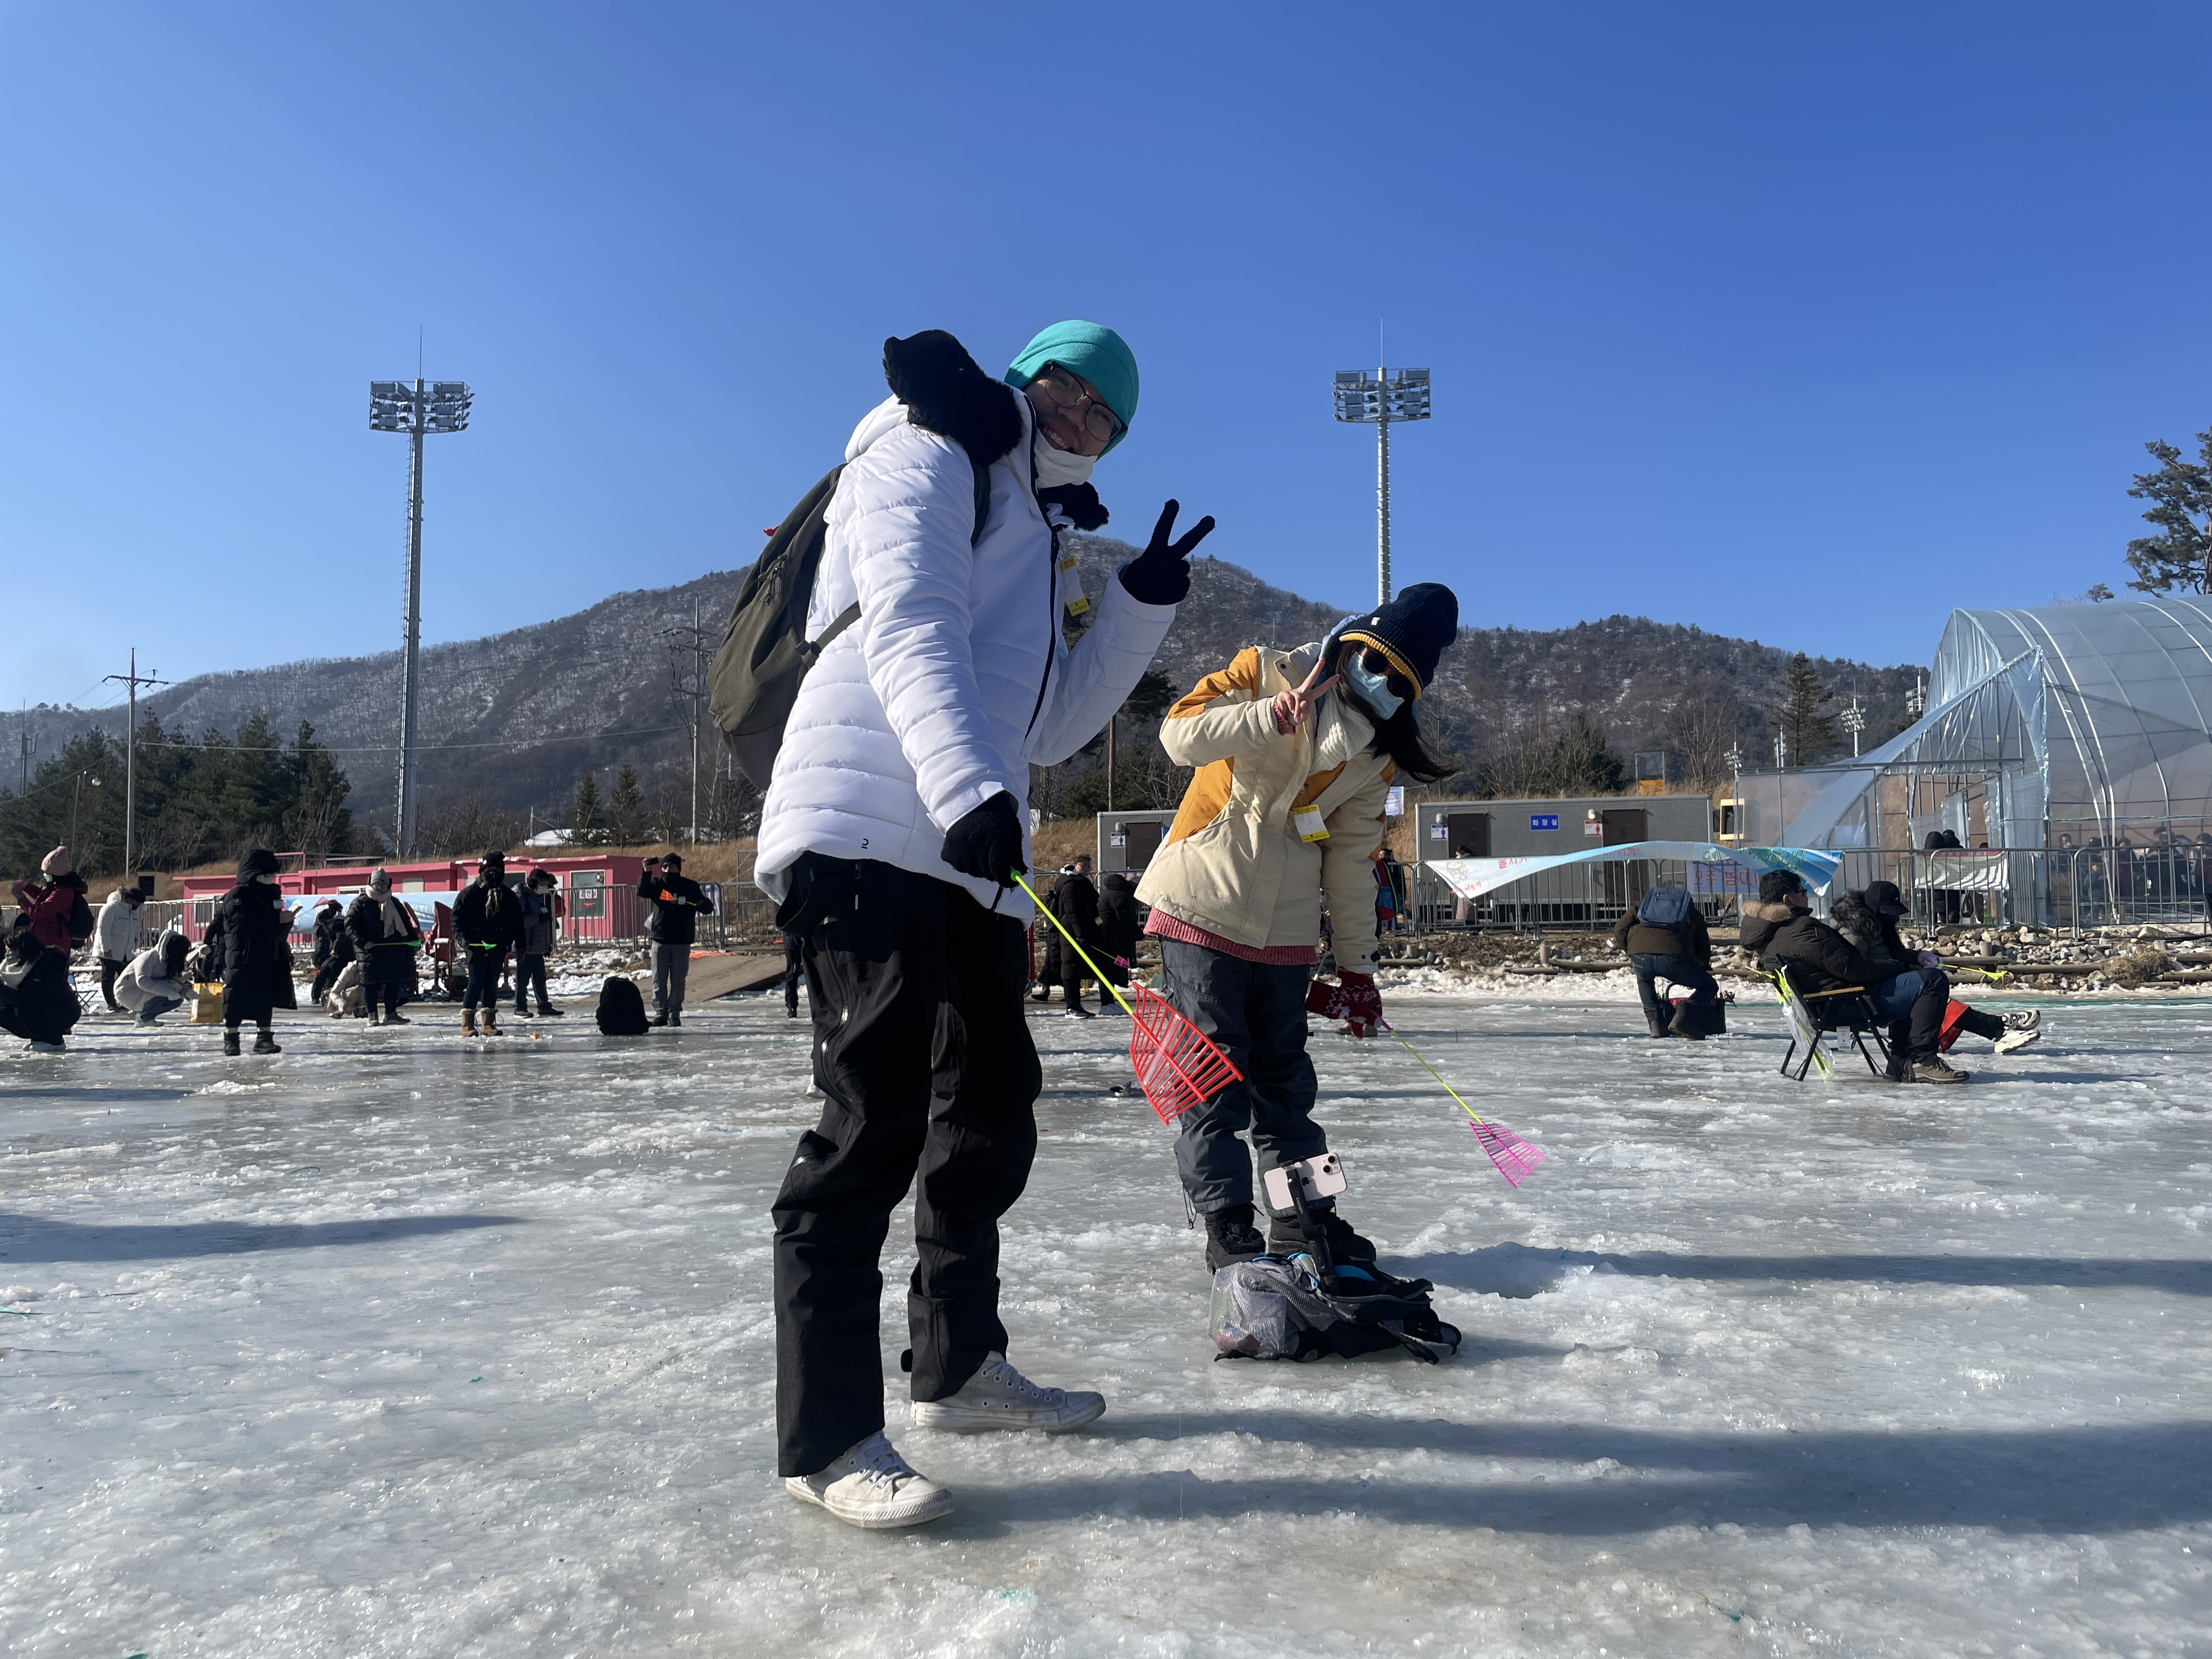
(391, 1345)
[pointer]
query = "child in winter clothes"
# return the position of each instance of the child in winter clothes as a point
(1295, 753)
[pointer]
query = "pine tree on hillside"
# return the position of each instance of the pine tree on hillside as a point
(587, 823)
(1798, 718)
(626, 825)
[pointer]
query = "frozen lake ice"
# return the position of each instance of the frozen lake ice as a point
(389, 1345)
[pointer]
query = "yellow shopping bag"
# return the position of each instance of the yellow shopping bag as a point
(207, 1003)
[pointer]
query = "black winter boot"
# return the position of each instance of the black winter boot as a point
(547, 1010)
(230, 1039)
(1679, 1025)
(1657, 1025)
(1285, 1238)
(266, 1044)
(1231, 1236)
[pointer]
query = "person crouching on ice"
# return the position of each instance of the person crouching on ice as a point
(1296, 751)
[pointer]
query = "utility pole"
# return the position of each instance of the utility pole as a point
(134, 679)
(694, 640)
(426, 408)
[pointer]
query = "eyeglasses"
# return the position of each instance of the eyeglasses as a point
(1100, 421)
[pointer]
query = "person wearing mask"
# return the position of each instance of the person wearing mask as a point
(117, 932)
(1117, 932)
(248, 933)
(1295, 753)
(1868, 922)
(154, 980)
(892, 831)
(540, 898)
(1075, 901)
(1666, 937)
(332, 948)
(387, 942)
(487, 924)
(677, 903)
(1780, 931)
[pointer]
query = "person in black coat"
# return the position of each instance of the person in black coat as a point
(1949, 900)
(247, 941)
(332, 948)
(1117, 930)
(388, 941)
(488, 922)
(1075, 901)
(677, 903)
(37, 1001)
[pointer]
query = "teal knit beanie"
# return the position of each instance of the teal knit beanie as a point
(1098, 355)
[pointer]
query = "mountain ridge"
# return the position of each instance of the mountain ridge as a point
(516, 718)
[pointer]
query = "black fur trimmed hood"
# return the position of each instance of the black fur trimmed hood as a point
(946, 392)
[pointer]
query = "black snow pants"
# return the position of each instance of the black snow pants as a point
(924, 1057)
(1255, 1012)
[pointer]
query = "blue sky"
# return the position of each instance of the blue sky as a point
(1802, 325)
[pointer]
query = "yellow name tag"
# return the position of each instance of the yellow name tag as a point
(1077, 606)
(1067, 562)
(1307, 822)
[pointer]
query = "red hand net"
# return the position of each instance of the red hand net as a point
(1178, 1065)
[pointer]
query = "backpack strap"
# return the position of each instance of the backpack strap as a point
(851, 613)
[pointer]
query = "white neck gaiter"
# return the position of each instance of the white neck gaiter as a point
(1055, 467)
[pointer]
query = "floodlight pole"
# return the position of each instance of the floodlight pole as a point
(410, 647)
(418, 410)
(1382, 500)
(1380, 400)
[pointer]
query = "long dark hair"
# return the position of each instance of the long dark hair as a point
(1398, 737)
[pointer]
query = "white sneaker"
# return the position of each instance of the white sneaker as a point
(2020, 1029)
(999, 1397)
(872, 1486)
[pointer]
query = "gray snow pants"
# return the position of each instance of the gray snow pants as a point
(672, 966)
(1256, 1013)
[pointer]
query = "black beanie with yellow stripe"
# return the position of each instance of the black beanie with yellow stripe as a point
(1411, 630)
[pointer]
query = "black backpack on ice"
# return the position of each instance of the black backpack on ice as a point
(1275, 1308)
(765, 651)
(621, 1008)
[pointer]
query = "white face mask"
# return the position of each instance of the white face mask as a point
(1055, 467)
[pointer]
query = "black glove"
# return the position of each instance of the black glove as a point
(1161, 573)
(987, 842)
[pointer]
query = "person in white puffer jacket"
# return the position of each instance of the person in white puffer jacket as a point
(893, 820)
(118, 934)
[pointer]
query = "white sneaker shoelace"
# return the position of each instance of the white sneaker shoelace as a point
(1003, 1373)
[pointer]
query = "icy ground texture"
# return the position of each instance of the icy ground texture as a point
(392, 1345)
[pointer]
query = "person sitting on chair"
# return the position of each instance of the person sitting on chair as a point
(1868, 922)
(1666, 939)
(1781, 932)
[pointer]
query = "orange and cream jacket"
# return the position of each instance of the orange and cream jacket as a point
(1273, 822)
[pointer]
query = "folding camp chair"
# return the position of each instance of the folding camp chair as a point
(1813, 1015)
